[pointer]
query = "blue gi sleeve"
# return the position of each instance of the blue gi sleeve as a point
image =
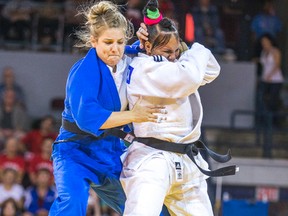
(133, 49)
(84, 90)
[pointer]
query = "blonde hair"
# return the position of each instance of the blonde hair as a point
(99, 17)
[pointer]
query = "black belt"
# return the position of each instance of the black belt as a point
(191, 149)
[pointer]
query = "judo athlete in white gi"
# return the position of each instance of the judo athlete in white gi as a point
(95, 100)
(151, 177)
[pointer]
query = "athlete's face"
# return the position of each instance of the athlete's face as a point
(110, 45)
(169, 50)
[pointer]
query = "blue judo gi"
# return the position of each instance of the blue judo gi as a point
(91, 97)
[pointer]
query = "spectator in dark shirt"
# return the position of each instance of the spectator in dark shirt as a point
(17, 14)
(207, 26)
(50, 14)
(266, 22)
(71, 23)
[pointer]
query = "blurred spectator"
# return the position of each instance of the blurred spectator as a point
(232, 23)
(10, 189)
(17, 19)
(49, 13)
(207, 26)
(9, 82)
(134, 12)
(266, 22)
(71, 22)
(9, 208)
(3, 23)
(10, 158)
(33, 139)
(93, 208)
(181, 9)
(272, 78)
(236, 19)
(167, 8)
(39, 198)
(41, 160)
(14, 119)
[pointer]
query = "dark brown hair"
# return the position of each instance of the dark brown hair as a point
(5, 203)
(160, 33)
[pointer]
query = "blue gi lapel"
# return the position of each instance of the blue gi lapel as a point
(104, 70)
(108, 81)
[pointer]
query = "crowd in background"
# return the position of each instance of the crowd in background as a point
(224, 26)
(26, 179)
(48, 25)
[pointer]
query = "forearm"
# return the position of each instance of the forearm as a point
(117, 119)
(212, 70)
(277, 60)
(137, 114)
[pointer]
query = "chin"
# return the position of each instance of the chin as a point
(114, 62)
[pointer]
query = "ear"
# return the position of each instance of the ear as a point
(93, 41)
(148, 47)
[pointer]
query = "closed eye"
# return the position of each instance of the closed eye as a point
(121, 42)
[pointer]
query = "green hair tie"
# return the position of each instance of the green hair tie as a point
(153, 14)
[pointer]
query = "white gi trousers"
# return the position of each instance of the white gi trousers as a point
(165, 177)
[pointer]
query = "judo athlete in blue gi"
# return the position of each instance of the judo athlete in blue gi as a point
(95, 101)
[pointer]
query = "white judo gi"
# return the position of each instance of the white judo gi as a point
(151, 177)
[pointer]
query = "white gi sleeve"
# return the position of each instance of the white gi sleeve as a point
(205, 60)
(174, 79)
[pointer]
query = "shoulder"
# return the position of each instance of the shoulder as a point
(76, 65)
(90, 56)
(276, 53)
(140, 58)
(276, 50)
(143, 60)
(30, 189)
(18, 187)
(158, 58)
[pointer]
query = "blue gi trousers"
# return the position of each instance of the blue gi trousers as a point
(75, 170)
